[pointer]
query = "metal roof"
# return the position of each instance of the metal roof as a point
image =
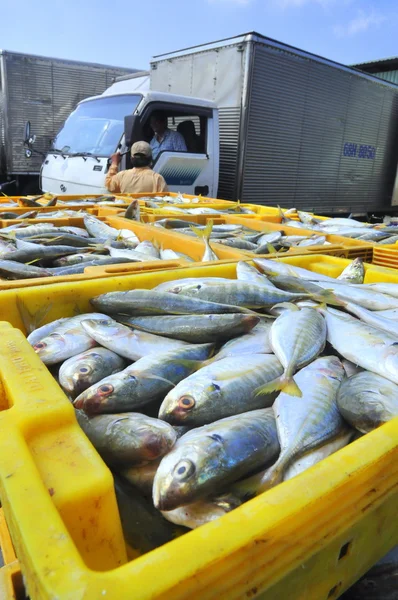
(377, 66)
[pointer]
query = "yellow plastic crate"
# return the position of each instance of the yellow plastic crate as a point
(339, 246)
(386, 255)
(11, 584)
(143, 232)
(310, 537)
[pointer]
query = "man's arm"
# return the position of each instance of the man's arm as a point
(112, 179)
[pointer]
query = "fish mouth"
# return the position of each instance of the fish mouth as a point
(163, 502)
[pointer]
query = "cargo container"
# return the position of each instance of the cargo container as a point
(43, 91)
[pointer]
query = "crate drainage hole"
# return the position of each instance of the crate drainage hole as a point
(332, 593)
(344, 550)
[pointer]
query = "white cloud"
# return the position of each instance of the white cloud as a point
(362, 22)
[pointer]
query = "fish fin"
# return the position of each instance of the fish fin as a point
(282, 383)
(30, 320)
(280, 211)
(204, 233)
(271, 249)
(31, 262)
(327, 297)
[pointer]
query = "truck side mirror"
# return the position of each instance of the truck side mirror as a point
(27, 132)
(129, 122)
(29, 139)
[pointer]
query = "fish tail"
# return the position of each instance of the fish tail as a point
(204, 233)
(271, 249)
(283, 383)
(282, 216)
(327, 297)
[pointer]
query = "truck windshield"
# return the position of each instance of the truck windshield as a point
(96, 126)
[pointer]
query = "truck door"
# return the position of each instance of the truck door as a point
(192, 171)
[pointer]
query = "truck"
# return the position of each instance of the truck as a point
(42, 91)
(274, 125)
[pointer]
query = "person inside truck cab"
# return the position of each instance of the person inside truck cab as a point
(139, 179)
(164, 138)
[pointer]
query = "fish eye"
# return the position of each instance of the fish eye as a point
(186, 402)
(105, 390)
(104, 322)
(40, 346)
(84, 370)
(184, 469)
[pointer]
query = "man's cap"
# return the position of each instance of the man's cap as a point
(141, 148)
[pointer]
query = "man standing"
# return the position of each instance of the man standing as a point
(139, 179)
(164, 138)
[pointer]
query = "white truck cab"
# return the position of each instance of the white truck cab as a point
(101, 125)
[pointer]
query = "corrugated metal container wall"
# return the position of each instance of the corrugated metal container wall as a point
(301, 114)
(2, 123)
(391, 76)
(45, 91)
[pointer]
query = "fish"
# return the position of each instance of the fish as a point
(133, 211)
(127, 438)
(315, 456)
(141, 476)
(131, 344)
(131, 254)
(370, 348)
(147, 380)
(350, 368)
(246, 272)
(194, 329)
(41, 332)
(152, 302)
(257, 341)
(275, 267)
(205, 460)
(147, 247)
(84, 370)
(367, 400)
(373, 318)
(358, 294)
(201, 512)
(303, 425)
(168, 254)
(223, 388)
(237, 293)
(15, 270)
(46, 253)
(209, 254)
(297, 337)
(66, 340)
(97, 228)
(166, 286)
(354, 273)
(391, 289)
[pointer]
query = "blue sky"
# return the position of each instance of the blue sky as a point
(129, 33)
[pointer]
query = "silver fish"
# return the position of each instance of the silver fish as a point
(207, 459)
(221, 389)
(367, 400)
(84, 370)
